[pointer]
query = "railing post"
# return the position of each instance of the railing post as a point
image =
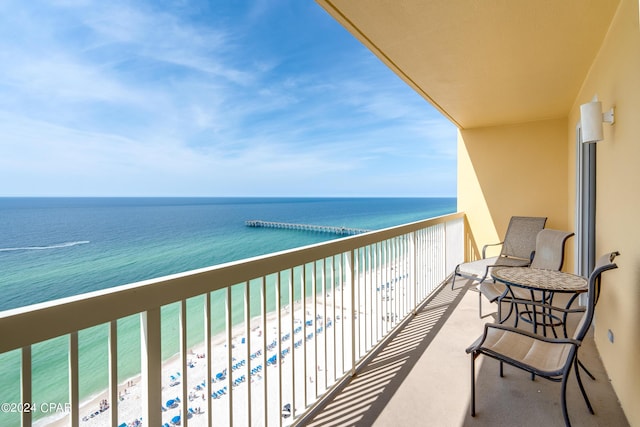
(305, 386)
(337, 283)
(26, 384)
(74, 392)
(207, 352)
(446, 247)
(263, 341)
(292, 310)
(113, 371)
(278, 335)
(351, 277)
(228, 331)
(303, 293)
(151, 365)
(182, 334)
(366, 282)
(413, 253)
(247, 333)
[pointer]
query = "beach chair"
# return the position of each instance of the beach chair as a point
(286, 410)
(517, 250)
(550, 358)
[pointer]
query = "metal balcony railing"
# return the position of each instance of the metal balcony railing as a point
(274, 333)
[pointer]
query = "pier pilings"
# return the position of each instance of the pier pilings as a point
(306, 227)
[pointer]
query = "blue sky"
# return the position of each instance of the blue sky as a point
(207, 98)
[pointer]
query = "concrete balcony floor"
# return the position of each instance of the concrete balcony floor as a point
(421, 377)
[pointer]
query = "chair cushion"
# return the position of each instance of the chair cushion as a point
(476, 268)
(528, 352)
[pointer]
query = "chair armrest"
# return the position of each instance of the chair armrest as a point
(529, 334)
(484, 248)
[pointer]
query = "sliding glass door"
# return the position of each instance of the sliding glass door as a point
(585, 206)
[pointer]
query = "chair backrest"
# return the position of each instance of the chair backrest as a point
(520, 239)
(604, 263)
(550, 249)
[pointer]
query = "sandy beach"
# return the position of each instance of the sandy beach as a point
(261, 373)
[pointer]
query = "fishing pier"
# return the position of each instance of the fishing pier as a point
(306, 227)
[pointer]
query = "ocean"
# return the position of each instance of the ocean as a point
(57, 247)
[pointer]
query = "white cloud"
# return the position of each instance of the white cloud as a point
(120, 98)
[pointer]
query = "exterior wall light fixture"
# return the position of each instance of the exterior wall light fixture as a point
(591, 119)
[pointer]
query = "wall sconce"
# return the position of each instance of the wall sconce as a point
(591, 119)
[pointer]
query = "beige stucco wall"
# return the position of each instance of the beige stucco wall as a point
(615, 78)
(529, 169)
(512, 170)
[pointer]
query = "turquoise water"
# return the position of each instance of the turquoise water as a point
(57, 247)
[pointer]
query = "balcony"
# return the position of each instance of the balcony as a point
(421, 376)
(364, 332)
(512, 76)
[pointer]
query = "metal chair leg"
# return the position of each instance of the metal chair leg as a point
(500, 318)
(482, 316)
(563, 398)
(473, 384)
(582, 390)
(586, 370)
(455, 274)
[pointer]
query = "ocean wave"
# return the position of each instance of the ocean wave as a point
(43, 248)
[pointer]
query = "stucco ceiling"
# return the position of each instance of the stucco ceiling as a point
(484, 62)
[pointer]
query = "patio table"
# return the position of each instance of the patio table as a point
(547, 282)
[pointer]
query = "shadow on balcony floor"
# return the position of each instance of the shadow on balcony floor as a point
(422, 377)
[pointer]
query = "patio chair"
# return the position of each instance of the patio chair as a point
(517, 248)
(550, 358)
(549, 255)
